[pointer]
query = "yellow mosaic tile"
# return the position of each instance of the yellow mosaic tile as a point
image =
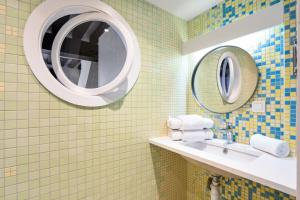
(50, 149)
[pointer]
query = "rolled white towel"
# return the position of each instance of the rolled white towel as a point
(273, 146)
(197, 136)
(190, 122)
(175, 135)
(174, 123)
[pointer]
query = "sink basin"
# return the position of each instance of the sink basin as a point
(235, 152)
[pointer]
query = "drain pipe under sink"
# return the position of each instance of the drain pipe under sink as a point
(213, 184)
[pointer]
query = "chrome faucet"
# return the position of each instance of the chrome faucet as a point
(228, 130)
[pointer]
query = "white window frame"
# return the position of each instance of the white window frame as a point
(51, 10)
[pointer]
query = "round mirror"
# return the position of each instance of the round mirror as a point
(224, 79)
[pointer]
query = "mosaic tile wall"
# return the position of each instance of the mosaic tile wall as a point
(277, 86)
(231, 189)
(50, 149)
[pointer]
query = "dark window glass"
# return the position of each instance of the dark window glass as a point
(91, 55)
(225, 75)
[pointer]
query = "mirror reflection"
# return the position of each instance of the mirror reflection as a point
(224, 79)
(228, 77)
(224, 76)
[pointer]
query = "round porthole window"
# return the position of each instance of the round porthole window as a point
(229, 77)
(83, 52)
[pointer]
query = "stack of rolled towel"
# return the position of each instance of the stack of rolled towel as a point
(276, 147)
(190, 128)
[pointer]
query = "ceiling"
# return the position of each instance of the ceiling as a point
(186, 9)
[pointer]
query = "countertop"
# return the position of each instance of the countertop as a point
(277, 173)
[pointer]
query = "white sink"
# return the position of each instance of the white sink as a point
(235, 152)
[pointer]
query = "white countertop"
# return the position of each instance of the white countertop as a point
(277, 173)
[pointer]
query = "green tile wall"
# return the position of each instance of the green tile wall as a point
(50, 149)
